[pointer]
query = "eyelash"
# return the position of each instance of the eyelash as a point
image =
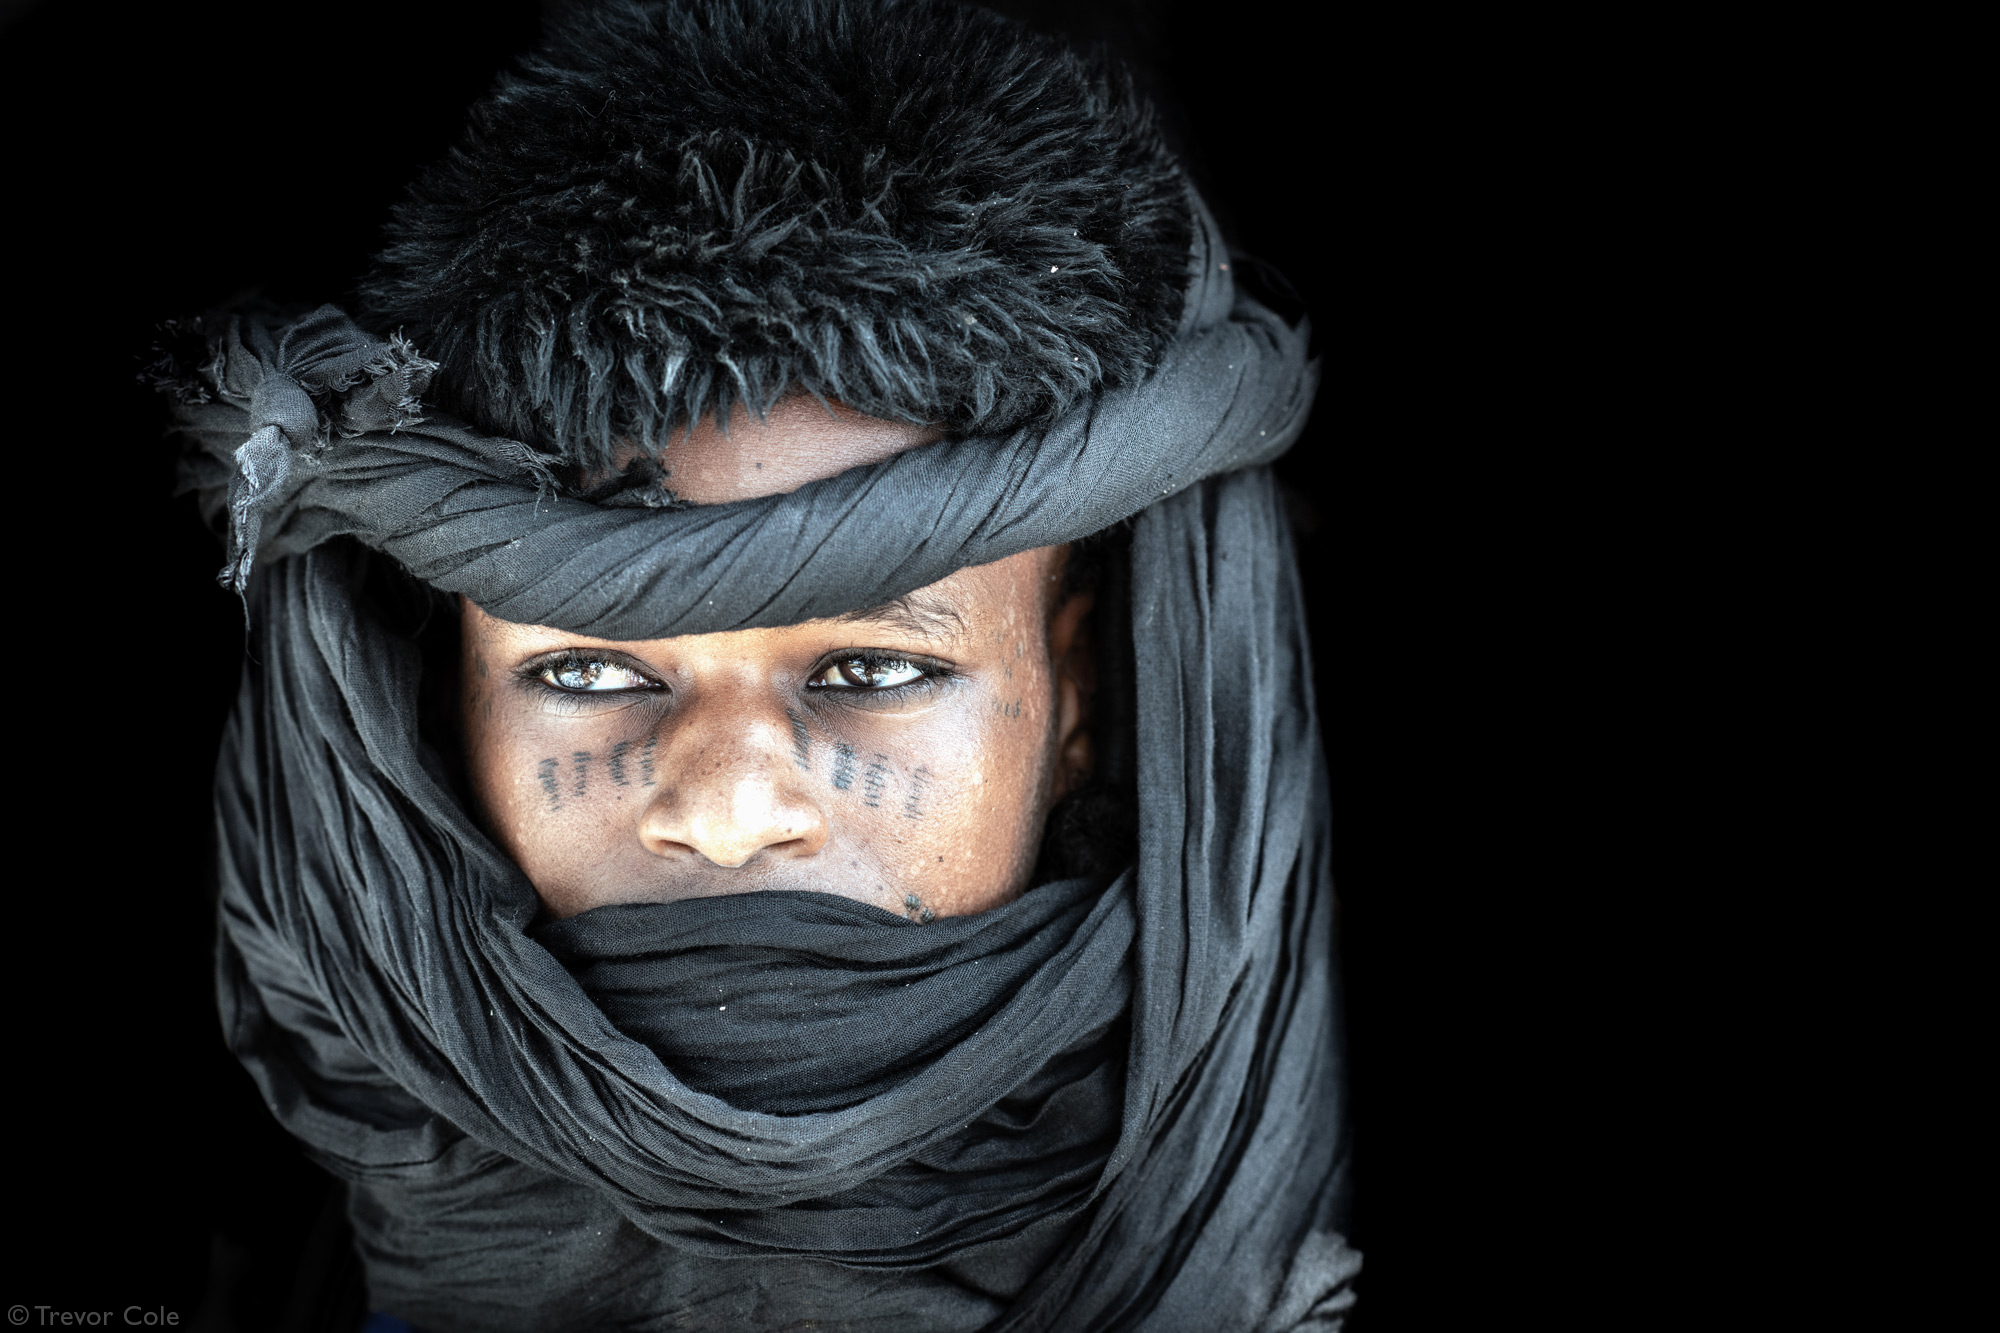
(572, 701)
(935, 674)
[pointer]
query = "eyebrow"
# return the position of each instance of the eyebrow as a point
(922, 613)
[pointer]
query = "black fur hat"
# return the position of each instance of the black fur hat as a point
(915, 207)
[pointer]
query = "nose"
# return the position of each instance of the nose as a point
(727, 794)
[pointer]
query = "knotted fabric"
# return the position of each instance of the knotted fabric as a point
(1104, 1105)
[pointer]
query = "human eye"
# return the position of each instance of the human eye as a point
(583, 672)
(873, 671)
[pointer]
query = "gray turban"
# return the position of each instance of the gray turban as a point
(1114, 1103)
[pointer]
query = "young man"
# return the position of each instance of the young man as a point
(775, 784)
(905, 755)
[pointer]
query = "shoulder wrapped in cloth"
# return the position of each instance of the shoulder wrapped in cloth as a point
(1103, 1106)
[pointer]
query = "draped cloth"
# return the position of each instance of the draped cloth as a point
(1109, 1104)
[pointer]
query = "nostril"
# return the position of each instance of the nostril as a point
(661, 844)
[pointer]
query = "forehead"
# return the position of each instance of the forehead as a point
(800, 440)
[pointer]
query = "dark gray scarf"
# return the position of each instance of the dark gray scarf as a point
(1105, 1105)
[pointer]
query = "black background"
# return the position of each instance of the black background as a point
(162, 157)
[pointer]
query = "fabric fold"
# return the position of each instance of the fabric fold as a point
(1124, 1095)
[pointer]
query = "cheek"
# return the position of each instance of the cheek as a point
(553, 794)
(953, 811)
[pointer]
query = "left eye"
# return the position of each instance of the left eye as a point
(861, 673)
(589, 676)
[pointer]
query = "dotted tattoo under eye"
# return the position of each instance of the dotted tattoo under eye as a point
(843, 766)
(546, 772)
(580, 758)
(801, 741)
(646, 761)
(875, 781)
(615, 761)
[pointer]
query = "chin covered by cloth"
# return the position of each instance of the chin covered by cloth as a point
(1114, 1102)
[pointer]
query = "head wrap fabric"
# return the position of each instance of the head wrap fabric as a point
(1119, 1104)
(472, 515)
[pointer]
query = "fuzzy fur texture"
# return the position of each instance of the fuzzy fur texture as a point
(914, 207)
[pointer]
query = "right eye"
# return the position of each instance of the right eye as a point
(867, 673)
(593, 675)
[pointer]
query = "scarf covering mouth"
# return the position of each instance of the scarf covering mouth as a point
(1146, 1069)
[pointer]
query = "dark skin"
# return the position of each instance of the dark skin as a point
(905, 756)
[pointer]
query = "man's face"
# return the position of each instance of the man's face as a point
(905, 756)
